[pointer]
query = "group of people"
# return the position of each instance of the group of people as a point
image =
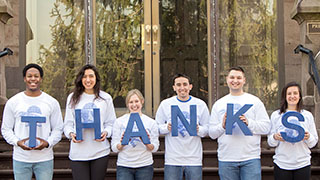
(232, 118)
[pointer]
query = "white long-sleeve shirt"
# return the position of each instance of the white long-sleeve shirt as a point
(288, 155)
(183, 150)
(238, 147)
(14, 130)
(89, 149)
(135, 154)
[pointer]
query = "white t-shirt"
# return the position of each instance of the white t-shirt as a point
(14, 130)
(135, 154)
(288, 155)
(238, 147)
(90, 149)
(183, 149)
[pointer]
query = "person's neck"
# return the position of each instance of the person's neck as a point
(292, 108)
(237, 93)
(89, 91)
(32, 93)
(183, 99)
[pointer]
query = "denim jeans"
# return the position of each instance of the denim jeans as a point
(176, 172)
(244, 170)
(141, 173)
(24, 170)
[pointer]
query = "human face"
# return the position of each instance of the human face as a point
(292, 97)
(33, 80)
(89, 80)
(135, 104)
(236, 81)
(182, 87)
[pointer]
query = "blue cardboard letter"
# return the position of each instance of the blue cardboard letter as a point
(191, 128)
(95, 124)
(234, 118)
(298, 128)
(135, 117)
(33, 120)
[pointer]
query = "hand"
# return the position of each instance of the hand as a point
(224, 121)
(103, 136)
(21, 144)
(306, 135)
(169, 127)
(43, 144)
(150, 147)
(244, 119)
(73, 136)
(277, 136)
(120, 146)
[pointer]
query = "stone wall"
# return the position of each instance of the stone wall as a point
(13, 69)
(6, 13)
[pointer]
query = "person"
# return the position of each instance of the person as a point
(89, 156)
(238, 154)
(292, 160)
(183, 153)
(135, 159)
(32, 103)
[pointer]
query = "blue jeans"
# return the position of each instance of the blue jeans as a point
(24, 170)
(176, 172)
(244, 170)
(142, 173)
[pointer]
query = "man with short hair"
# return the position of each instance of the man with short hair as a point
(183, 153)
(239, 154)
(33, 104)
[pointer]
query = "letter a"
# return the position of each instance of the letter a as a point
(135, 117)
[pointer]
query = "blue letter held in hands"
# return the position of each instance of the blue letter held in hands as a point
(191, 128)
(95, 124)
(298, 128)
(234, 118)
(33, 120)
(135, 117)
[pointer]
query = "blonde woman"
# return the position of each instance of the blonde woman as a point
(135, 159)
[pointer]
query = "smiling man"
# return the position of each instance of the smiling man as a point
(238, 154)
(32, 104)
(183, 153)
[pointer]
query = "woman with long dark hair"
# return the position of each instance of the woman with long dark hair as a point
(89, 156)
(292, 160)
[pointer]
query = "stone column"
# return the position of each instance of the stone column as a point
(5, 14)
(307, 14)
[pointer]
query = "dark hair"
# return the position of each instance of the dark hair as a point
(237, 68)
(79, 88)
(181, 75)
(284, 103)
(32, 65)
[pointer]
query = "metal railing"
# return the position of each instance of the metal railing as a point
(6, 51)
(312, 69)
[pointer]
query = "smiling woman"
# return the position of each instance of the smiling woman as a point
(89, 81)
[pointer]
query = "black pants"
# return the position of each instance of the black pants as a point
(298, 174)
(90, 170)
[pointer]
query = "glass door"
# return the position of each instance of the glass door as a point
(124, 48)
(184, 47)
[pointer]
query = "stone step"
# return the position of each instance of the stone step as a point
(63, 145)
(209, 173)
(61, 159)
